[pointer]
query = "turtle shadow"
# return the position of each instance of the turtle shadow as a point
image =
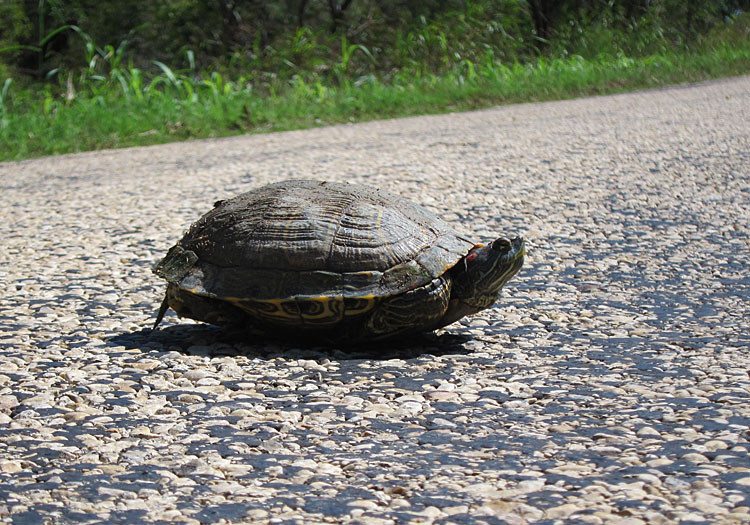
(214, 341)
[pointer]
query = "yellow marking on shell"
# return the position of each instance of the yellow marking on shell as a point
(331, 309)
(328, 310)
(233, 300)
(365, 303)
(275, 312)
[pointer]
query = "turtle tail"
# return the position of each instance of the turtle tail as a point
(162, 310)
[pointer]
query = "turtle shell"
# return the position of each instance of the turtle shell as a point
(311, 252)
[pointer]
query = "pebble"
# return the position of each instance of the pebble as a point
(648, 432)
(608, 385)
(10, 466)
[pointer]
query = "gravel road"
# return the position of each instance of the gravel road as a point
(609, 385)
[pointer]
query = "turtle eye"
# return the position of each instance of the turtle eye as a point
(501, 245)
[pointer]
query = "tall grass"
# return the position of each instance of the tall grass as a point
(109, 102)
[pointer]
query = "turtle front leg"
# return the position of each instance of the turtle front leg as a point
(418, 310)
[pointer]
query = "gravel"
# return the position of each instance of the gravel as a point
(609, 385)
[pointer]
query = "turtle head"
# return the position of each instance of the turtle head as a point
(478, 278)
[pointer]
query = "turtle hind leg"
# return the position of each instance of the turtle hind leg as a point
(418, 310)
(201, 308)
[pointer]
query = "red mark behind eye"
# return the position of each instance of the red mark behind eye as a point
(471, 257)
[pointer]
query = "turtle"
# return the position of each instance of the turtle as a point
(331, 262)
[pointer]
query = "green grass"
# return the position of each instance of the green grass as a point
(123, 107)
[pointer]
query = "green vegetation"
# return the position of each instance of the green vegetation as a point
(62, 92)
